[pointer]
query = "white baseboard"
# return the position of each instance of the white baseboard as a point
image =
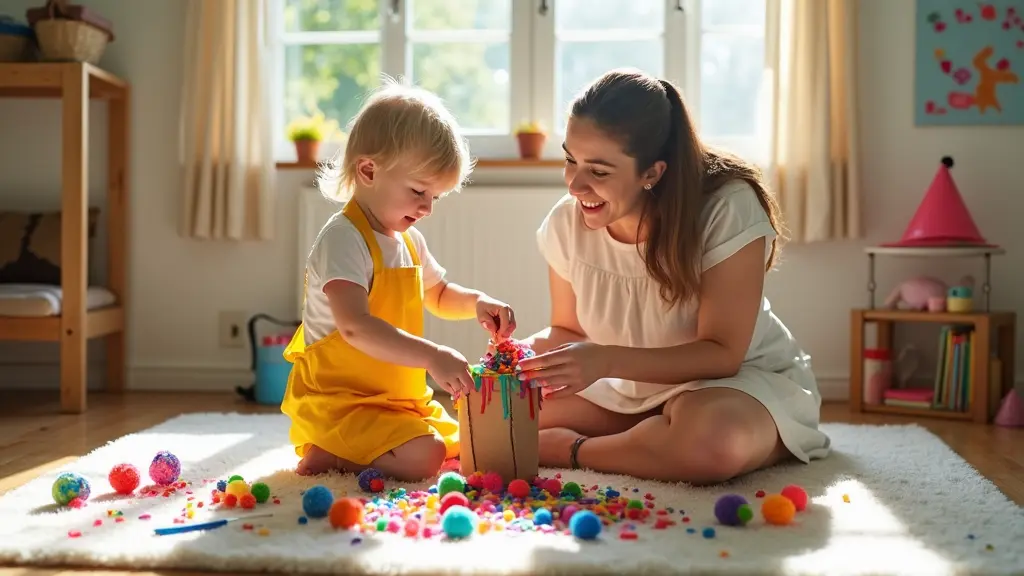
(832, 387)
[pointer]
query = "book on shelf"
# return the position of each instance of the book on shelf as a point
(954, 376)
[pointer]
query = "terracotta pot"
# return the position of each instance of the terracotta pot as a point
(307, 151)
(531, 144)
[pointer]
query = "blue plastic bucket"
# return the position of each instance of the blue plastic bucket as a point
(271, 374)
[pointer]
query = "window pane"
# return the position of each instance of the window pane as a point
(605, 14)
(333, 79)
(580, 63)
(731, 69)
(461, 14)
(330, 15)
(471, 77)
(733, 13)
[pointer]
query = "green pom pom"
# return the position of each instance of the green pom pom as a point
(261, 491)
(572, 489)
(635, 504)
(744, 513)
(235, 477)
(450, 482)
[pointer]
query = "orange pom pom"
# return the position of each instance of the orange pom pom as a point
(346, 513)
(778, 510)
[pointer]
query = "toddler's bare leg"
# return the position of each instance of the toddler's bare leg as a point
(317, 461)
(415, 460)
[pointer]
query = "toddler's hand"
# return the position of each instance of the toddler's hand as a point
(496, 317)
(450, 370)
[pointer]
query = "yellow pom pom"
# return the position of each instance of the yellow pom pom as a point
(432, 502)
(238, 488)
(509, 515)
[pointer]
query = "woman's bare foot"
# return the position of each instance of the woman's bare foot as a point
(555, 447)
(318, 461)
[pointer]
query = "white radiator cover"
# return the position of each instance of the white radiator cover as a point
(486, 239)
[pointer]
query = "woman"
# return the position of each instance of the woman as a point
(664, 360)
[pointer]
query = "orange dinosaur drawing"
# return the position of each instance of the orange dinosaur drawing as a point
(984, 96)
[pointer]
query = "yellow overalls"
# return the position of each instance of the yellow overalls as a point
(351, 404)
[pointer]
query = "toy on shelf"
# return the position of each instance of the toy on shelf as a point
(942, 227)
(942, 219)
(932, 294)
(498, 419)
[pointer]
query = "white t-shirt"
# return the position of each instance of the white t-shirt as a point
(340, 253)
(618, 303)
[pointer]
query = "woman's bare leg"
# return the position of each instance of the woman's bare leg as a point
(585, 417)
(703, 437)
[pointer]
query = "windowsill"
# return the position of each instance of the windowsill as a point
(480, 163)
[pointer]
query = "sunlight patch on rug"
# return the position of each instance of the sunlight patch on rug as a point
(888, 500)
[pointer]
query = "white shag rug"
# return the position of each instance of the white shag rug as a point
(889, 500)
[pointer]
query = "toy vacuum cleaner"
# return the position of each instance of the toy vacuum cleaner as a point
(268, 364)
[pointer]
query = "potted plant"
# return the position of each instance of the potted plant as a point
(531, 137)
(307, 132)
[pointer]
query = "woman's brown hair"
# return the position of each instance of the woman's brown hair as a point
(648, 118)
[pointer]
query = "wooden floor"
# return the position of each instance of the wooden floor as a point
(35, 437)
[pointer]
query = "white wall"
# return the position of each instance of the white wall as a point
(179, 286)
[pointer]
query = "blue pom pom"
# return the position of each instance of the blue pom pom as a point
(367, 476)
(709, 532)
(585, 525)
(458, 522)
(316, 502)
(222, 485)
(542, 517)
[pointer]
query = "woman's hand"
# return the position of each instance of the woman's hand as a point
(567, 369)
(496, 317)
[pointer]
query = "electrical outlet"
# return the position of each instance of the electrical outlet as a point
(232, 328)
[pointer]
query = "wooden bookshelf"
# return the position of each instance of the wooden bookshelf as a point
(984, 398)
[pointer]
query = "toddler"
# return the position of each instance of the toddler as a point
(357, 395)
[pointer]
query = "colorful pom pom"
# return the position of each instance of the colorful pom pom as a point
(165, 468)
(124, 478)
(585, 525)
(797, 495)
(69, 486)
(366, 478)
(733, 510)
(778, 510)
(450, 482)
(458, 522)
(317, 501)
(506, 356)
(260, 491)
(346, 513)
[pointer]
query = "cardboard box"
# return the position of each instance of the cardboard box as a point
(498, 426)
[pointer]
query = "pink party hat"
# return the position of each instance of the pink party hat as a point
(1011, 412)
(942, 219)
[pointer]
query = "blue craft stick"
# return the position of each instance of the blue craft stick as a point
(203, 525)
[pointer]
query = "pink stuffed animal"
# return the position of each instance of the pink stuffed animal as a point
(913, 294)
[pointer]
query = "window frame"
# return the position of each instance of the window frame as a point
(532, 74)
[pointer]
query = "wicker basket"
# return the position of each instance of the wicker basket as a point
(70, 41)
(68, 33)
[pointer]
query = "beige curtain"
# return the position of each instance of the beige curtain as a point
(811, 54)
(226, 145)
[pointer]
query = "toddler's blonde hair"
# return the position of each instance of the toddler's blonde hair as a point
(399, 122)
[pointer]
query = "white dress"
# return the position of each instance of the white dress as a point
(618, 304)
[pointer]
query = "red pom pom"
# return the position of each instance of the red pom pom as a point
(124, 478)
(492, 482)
(230, 500)
(376, 485)
(796, 495)
(453, 499)
(519, 488)
(247, 501)
(553, 486)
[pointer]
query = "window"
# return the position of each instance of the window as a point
(497, 63)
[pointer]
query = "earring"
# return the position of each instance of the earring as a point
(647, 186)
